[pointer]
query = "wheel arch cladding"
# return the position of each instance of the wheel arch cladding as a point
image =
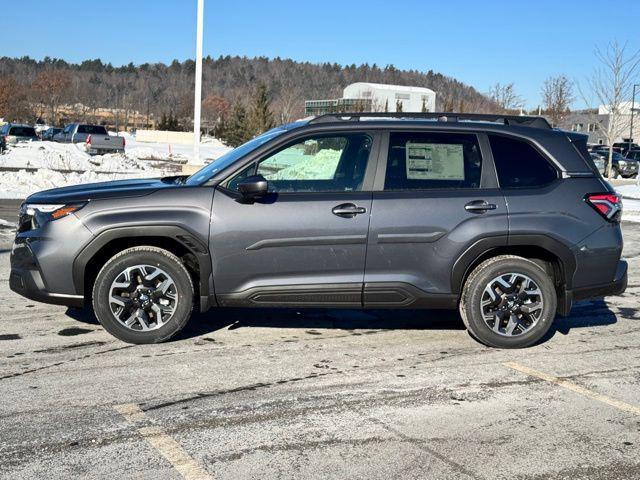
(184, 244)
(533, 247)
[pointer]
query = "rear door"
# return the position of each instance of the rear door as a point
(305, 243)
(435, 196)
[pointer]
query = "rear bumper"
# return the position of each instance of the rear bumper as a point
(616, 287)
(102, 151)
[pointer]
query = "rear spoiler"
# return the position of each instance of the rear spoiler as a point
(579, 142)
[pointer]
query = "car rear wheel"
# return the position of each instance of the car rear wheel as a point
(508, 302)
(143, 295)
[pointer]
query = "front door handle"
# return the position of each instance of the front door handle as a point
(348, 210)
(479, 206)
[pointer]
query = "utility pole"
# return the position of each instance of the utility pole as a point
(633, 107)
(198, 90)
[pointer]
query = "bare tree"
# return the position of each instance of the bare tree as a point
(506, 97)
(50, 87)
(611, 84)
(557, 96)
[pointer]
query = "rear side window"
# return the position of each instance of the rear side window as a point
(519, 165)
(23, 131)
(432, 160)
(92, 129)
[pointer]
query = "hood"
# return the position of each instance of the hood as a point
(104, 190)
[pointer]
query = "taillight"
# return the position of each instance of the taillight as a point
(609, 205)
(88, 139)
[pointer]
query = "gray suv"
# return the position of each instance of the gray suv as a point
(502, 217)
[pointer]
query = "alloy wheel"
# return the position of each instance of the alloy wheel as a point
(143, 297)
(511, 304)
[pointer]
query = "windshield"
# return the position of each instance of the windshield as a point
(230, 157)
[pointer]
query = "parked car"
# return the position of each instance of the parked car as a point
(50, 132)
(633, 155)
(624, 147)
(96, 138)
(620, 166)
(501, 217)
(12, 134)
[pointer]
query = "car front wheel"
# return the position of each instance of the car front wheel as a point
(508, 302)
(143, 295)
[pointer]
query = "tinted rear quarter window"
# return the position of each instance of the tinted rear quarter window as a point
(23, 131)
(92, 129)
(519, 164)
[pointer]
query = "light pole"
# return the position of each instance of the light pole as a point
(198, 89)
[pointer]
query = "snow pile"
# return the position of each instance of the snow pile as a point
(52, 155)
(30, 167)
(21, 184)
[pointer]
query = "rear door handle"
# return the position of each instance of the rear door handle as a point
(479, 206)
(348, 210)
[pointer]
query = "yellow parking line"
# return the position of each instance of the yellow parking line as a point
(574, 387)
(167, 446)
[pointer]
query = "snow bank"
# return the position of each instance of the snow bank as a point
(62, 164)
(21, 184)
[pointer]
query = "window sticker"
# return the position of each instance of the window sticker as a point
(434, 161)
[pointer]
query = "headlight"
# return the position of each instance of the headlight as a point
(622, 163)
(41, 213)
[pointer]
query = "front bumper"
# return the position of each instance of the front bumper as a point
(26, 279)
(629, 170)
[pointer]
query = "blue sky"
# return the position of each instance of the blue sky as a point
(477, 42)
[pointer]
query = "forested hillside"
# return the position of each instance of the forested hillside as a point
(157, 89)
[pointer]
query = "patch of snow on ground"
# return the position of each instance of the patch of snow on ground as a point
(629, 191)
(6, 224)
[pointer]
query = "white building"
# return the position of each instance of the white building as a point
(412, 99)
(375, 97)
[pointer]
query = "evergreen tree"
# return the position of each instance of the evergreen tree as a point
(260, 118)
(236, 130)
(162, 125)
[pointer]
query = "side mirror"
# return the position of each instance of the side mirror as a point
(253, 187)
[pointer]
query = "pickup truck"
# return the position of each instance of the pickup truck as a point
(97, 139)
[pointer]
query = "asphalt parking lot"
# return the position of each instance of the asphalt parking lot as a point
(320, 394)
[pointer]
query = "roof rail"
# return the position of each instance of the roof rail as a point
(521, 120)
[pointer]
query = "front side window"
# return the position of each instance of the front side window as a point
(334, 163)
(433, 160)
(520, 165)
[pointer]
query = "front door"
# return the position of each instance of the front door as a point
(303, 244)
(436, 196)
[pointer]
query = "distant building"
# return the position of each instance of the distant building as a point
(376, 97)
(595, 123)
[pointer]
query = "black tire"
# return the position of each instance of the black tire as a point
(474, 289)
(156, 258)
